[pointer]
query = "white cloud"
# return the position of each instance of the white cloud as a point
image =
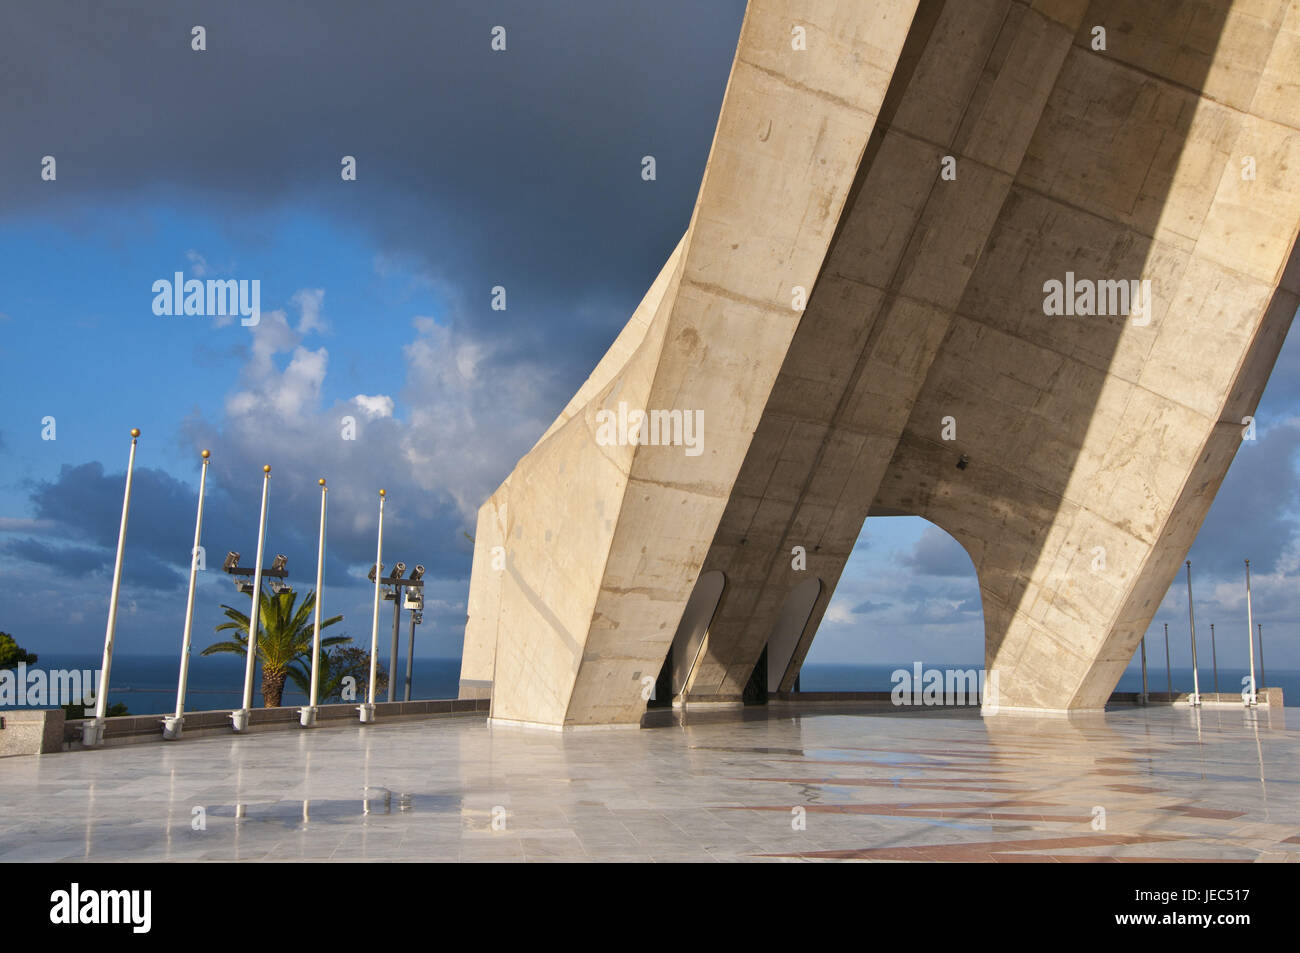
(291, 395)
(474, 412)
(309, 301)
(380, 405)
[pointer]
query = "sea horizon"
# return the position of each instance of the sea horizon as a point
(146, 683)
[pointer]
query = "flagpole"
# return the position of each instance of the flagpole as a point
(1250, 698)
(367, 710)
(1169, 672)
(92, 732)
(239, 719)
(1263, 675)
(1191, 618)
(308, 714)
(175, 725)
(1214, 657)
(1144, 669)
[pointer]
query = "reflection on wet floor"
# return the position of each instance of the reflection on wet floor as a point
(776, 785)
(299, 813)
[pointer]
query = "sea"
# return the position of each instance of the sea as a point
(146, 684)
(823, 677)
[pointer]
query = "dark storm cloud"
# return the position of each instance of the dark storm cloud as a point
(83, 505)
(476, 168)
(519, 168)
(1252, 516)
(73, 560)
(938, 554)
(864, 608)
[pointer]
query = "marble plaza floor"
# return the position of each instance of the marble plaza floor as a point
(820, 784)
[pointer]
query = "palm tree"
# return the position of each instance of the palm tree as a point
(284, 634)
(334, 668)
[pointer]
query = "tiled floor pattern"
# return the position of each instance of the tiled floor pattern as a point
(829, 784)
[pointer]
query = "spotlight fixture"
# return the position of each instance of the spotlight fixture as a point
(279, 562)
(371, 575)
(417, 573)
(232, 562)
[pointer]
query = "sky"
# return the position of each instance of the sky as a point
(475, 169)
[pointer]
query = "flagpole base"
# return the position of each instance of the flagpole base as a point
(239, 720)
(92, 732)
(367, 713)
(173, 726)
(307, 717)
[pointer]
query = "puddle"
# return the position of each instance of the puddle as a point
(374, 801)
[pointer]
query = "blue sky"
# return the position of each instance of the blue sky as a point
(475, 169)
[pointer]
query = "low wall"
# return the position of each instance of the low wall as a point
(128, 729)
(1265, 698)
(31, 731)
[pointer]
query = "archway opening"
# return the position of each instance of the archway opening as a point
(907, 595)
(688, 639)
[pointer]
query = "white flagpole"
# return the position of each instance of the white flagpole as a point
(175, 725)
(1191, 620)
(368, 709)
(309, 713)
(239, 719)
(92, 732)
(1251, 700)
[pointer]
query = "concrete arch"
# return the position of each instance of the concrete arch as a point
(694, 626)
(803, 648)
(927, 305)
(789, 632)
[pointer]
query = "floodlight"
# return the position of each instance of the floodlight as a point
(279, 562)
(417, 573)
(371, 575)
(232, 562)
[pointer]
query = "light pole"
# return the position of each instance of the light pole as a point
(393, 587)
(1191, 619)
(367, 708)
(307, 716)
(173, 726)
(92, 732)
(394, 592)
(414, 602)
(239, 719)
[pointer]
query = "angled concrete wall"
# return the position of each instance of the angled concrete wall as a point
(1081, 435)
